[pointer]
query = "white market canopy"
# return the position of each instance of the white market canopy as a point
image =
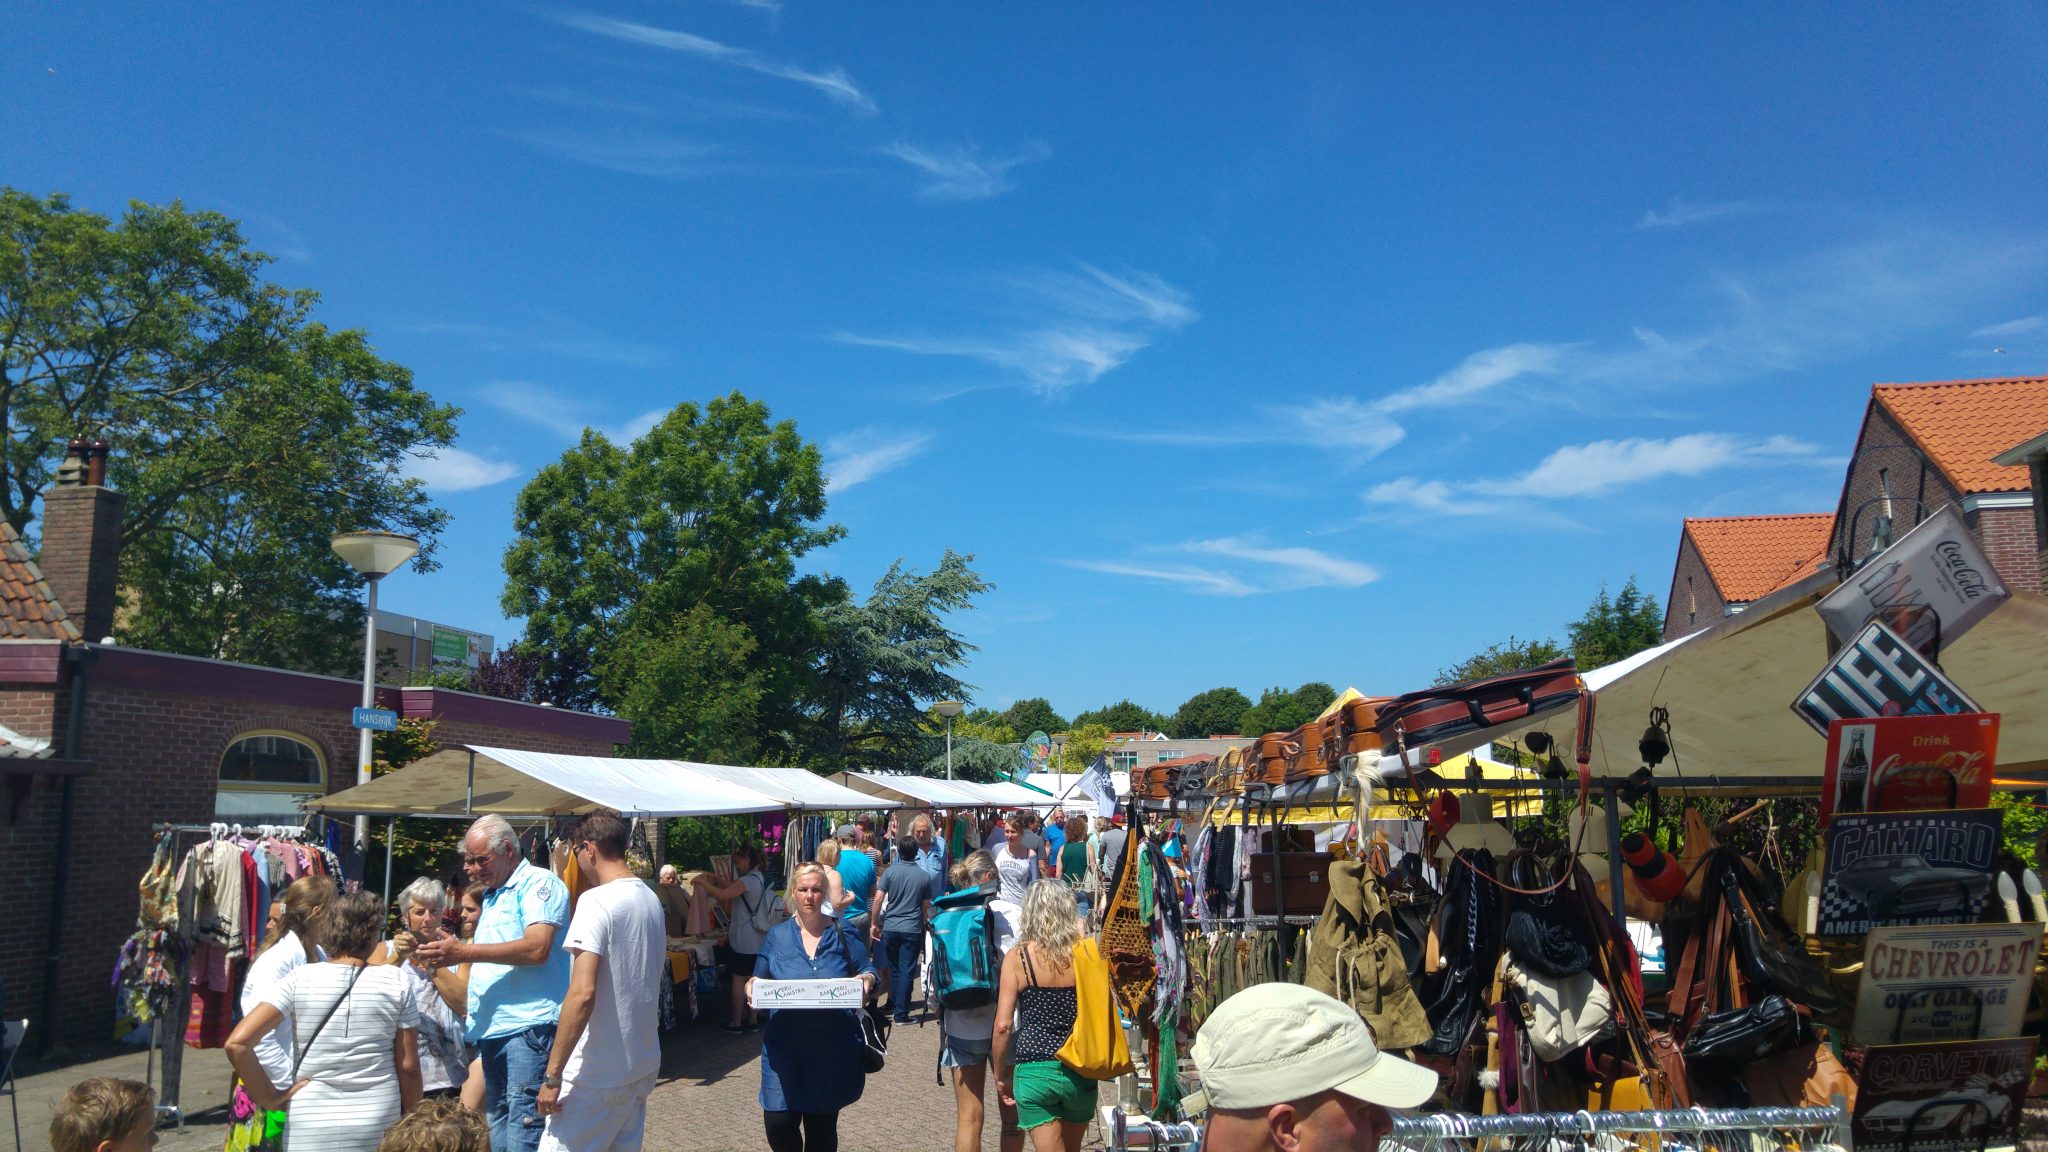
(932, 792)
(478, 779)
(1729, 689)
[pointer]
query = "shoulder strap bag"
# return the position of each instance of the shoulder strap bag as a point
(874, 1039)
(1096, 1048)
(299, 1057)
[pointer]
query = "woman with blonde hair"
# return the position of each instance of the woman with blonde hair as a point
(811, 1058)
(1054, 1103)
(290, 942)
(835, 888)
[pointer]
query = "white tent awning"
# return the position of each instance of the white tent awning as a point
(926, 791)
(636, 787)
(795, 787)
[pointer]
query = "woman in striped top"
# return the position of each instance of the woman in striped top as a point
(355, 1056)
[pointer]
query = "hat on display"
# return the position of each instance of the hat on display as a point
(1273, 1043)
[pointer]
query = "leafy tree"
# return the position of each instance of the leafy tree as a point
(978, 724)
(1511, 655)
(1279, 710)
(973, 758)
(1123, 716)
(1083, 744)
(1033, 715)
(690, 686)
(618, 549)
(245, 432)
(883, 659)
(1213, 713)
(420, 846)
(510, 673)
(1617, 628)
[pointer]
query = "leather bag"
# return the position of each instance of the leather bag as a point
(1739, 1036)
(1808, 1075)
(1467, 935)
(1772, 959)
(1439, 713)
(1560, 1014)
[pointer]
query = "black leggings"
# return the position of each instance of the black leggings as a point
(802, 1131)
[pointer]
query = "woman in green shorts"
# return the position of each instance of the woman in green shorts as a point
(1035, 1009)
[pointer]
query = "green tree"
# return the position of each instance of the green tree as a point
(690, 687)
(1123, 716)
(245, 433)
(1617, 628)
(884, 659)
(1511, 655)
(1083, 744)
(1216, 712)
(1280, 710)
(1033, 715)
(617, 549)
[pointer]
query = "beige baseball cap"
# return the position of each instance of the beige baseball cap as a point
(1273, 1043)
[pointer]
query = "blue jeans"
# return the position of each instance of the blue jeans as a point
(513, 1066)
(904, 950)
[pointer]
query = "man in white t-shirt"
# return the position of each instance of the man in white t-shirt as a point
(607, 1046)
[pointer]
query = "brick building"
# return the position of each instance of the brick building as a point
(1923, 446)
(100, 742)
(1726, 563)
(2033, 455)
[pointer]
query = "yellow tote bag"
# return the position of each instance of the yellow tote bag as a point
(1096, 1049)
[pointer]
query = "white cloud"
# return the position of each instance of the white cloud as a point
(861, 455)
(1477, 374)
(963, 173)
(636, 154)
(2017, 327)
(1595, 469)
(1259, 569)
(546, 408)
(1428, 496)
(835, 84)
(1070, 328)
(453, 470)
(549, 336)
(1681, 213)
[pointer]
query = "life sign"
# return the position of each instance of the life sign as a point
(1878, 674)
(375, 719)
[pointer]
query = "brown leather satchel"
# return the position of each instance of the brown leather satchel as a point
(1808, 1076)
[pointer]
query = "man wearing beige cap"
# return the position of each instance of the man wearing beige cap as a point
(1285, 1067)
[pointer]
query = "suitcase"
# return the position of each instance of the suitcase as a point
(1305, 752)
(1304, 883)
(1440, 713)
(1227, 777)
(1266, 760)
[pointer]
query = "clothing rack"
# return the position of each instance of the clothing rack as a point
(1122, 1131)
(1817, 1127)
(171, 1079)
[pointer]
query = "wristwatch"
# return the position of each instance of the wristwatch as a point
(547, 1081)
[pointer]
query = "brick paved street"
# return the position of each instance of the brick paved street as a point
(706, 1101)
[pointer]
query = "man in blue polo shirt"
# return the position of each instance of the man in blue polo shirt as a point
(518, 975)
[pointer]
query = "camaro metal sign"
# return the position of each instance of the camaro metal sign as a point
(1908, 868)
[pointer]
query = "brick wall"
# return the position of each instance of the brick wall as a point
(81, 548)
(1694, 603)
(2008, 537)
(1884, 448)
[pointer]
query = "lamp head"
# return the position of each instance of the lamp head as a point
(949, 708)
(375, 554)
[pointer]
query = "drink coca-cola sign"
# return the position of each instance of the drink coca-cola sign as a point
(1909, 763)
(1936, 567)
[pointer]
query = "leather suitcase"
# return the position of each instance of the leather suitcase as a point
(1435, 714)
(1304, 883)
(1305, 752)
(1360, 734)
(1227, 777)
(1266, 760)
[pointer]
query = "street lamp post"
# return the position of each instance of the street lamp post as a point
(375, 555)
(949, 709)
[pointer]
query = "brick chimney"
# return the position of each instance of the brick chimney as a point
(81, 539)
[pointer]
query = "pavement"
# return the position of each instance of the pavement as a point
(706, 1101)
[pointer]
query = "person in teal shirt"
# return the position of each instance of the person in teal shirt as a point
(857, 879)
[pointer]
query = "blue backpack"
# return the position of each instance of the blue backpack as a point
(966, 966)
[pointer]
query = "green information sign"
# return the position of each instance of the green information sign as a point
(450, 646)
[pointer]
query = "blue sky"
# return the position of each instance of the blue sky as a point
(1241, 345)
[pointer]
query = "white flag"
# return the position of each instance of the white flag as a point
(1094, 783)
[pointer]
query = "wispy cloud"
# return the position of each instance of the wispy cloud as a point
(1680, 213)
(636, 154)
(554, 337)
(963, 173)
(1069, 328)
(664, 104)
(865, 453)
(561, 414)
(1595, 469)
(1238, 566)
(835, 83)
(454, 470)
(772, 7)
(2017, 327)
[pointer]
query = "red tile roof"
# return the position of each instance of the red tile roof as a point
(1751, 557)
(28, 609)
(1962, 424)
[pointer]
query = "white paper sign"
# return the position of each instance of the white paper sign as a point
(1937, 565)
(840, 993)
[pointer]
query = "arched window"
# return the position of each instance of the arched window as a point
(273, 761)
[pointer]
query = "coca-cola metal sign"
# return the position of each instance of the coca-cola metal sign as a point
(1937, 566)
(1908, 763)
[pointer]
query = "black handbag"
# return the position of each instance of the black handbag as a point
(874, 1041)
(1740, 1036)
(1470, 949)
(1771, 958)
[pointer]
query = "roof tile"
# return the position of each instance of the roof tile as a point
(1962, 424)
(1750, 557)
(28, 609)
